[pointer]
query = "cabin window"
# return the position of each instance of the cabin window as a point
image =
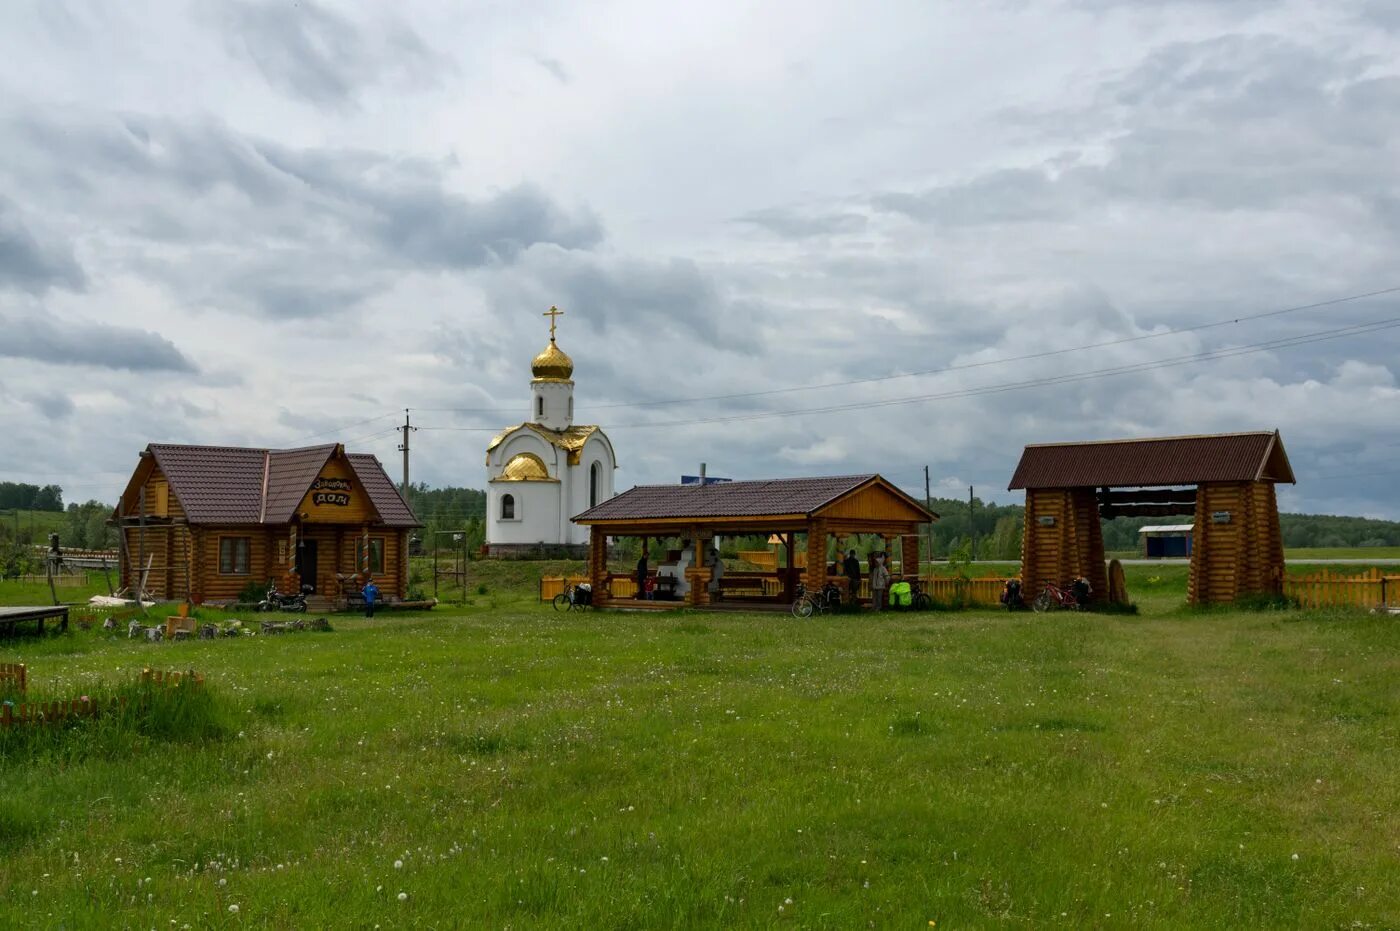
(595, 479)
(376, 555)
(233, 555)
(160, 499)
(539, 406)
(508, 507)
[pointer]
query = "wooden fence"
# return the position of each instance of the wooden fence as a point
(1329, 589)
(551, 585)
(28, 714)
(984, 592)
(161, 677)
(14, 675)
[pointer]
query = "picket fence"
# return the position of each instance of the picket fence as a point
(31, 714)
(984, 592)
(1328, 589)
(28, 714)
(15, 676)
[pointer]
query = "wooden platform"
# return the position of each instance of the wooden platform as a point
(13, 615)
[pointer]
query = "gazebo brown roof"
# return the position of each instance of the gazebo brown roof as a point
(817, 507)
(772, 498)
(1170, 460)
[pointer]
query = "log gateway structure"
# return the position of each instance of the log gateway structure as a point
(815, 508)
(1236, 544)
(202, 522)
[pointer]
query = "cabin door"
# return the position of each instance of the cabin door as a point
(308, 564)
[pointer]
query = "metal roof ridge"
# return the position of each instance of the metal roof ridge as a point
(1154, 439)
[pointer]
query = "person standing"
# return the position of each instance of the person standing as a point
(642, 568)
(371, 595)
(879, 582)
(852, 567)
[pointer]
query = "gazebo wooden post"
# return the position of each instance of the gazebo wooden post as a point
(816, 554)
(598, 564)
(698, 574)
(790, 572)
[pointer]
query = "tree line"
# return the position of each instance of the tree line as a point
(21, 496)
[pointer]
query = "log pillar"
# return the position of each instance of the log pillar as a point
(816, 555)
(1062, 540)
(1236, 543)
(598, 565)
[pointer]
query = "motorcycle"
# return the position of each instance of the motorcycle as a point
(280, 601)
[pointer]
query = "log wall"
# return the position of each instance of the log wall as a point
(1239, 556)
(1070, 547)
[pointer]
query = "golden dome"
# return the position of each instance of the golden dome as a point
(553, 364)
(525, 467)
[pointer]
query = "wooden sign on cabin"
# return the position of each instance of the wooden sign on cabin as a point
(335, 496)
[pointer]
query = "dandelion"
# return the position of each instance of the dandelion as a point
(398, 864)
(233, 909)
(403, 896)
(1295, 856)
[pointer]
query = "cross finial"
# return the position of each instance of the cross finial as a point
(554, 313)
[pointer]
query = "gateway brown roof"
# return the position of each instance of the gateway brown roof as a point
(1169, 460)
(769, 498)
(236, 485)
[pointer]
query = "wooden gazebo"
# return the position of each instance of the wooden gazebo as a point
(819, 508)
(1225, 480)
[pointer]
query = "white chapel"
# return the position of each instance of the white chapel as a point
(544, 471)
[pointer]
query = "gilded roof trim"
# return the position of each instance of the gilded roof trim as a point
(571, 440)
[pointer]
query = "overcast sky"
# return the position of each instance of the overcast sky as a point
(276, 223)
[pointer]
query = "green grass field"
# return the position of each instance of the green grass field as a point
(503, 765)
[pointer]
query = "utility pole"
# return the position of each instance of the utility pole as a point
(928, 505)
(971, 527)
(403, 447)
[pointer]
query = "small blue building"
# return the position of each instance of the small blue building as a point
(1167, 541)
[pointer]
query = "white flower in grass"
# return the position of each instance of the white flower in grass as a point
(233, 909)
(403, 896)
(1295, 856)
(398, 864)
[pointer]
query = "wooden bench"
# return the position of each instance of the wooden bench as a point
(747, 585)
(9, 617)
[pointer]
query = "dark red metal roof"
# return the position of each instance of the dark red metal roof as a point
(1169, 460)
(393, 509)
(769, 498)
(214, 484)
(290, 473)
(234, 485)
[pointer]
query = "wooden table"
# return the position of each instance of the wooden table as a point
(10, 616)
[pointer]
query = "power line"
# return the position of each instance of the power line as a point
(1230, 321)
(347, 426)
(1000, 388)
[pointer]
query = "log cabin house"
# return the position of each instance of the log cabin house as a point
(204, 523)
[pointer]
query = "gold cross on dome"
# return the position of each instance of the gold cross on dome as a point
(554, 313)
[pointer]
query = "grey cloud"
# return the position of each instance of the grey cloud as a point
(280, 231)
(28, 264)
(314, 53)
(796, 224)
(1232, 123)
(554, 66)
(673, 298)
(52, 405)
(94, 344)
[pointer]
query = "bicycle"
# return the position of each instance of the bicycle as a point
(573, 597)
(919, 600)
(820, 602)
(1069, 598)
